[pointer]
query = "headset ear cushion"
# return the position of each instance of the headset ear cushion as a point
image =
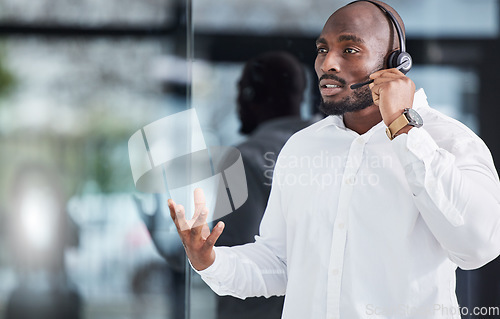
(397, 58)
(392, 59)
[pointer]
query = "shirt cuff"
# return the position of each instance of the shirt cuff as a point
(415, 146)
(217, 268)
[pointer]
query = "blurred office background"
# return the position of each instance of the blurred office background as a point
(78, 78)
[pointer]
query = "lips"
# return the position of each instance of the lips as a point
(330, 87)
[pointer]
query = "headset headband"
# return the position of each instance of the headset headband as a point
(402, 45)
(399, 59)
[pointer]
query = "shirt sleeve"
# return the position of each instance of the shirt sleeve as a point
(457, 192)
(254, 269)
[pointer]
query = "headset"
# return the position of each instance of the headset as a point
(399, 59)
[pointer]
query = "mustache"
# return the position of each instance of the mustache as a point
(333, 77)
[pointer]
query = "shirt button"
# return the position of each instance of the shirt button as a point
(334, 272)
(341, 225)
(360, 141)
(350, 180)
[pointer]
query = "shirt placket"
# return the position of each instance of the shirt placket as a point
(339, 238)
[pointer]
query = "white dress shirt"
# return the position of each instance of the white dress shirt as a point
(358, 226)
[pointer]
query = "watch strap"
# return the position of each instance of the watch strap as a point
(400, 122)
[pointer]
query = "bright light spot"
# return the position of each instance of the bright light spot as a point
(38, 217)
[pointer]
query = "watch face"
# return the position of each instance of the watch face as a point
(414, 118)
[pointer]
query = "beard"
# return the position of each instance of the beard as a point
(359, 99)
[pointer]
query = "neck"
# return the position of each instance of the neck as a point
(362, 121)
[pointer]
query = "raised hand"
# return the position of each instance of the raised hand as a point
(392, 91)
(195, 234)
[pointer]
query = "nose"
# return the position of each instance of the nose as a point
(330, 63)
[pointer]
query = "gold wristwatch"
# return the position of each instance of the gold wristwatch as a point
(409, 117)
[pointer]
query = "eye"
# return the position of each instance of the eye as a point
(350, 50)
(321, 50)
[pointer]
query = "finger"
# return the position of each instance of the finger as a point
(180, 218)
(386, 72)
(199, 201)
(205, 231)
(400, 84)
(387, 77)
(199, 222)
(379, 82)
(202, 218)
(375, 92)
(216, 232)
(171, 205)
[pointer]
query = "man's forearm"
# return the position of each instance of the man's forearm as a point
(250, 270)
(458, 200)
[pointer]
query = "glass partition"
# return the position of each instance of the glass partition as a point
(76, 81)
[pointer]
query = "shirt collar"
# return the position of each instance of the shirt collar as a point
(332, 120)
